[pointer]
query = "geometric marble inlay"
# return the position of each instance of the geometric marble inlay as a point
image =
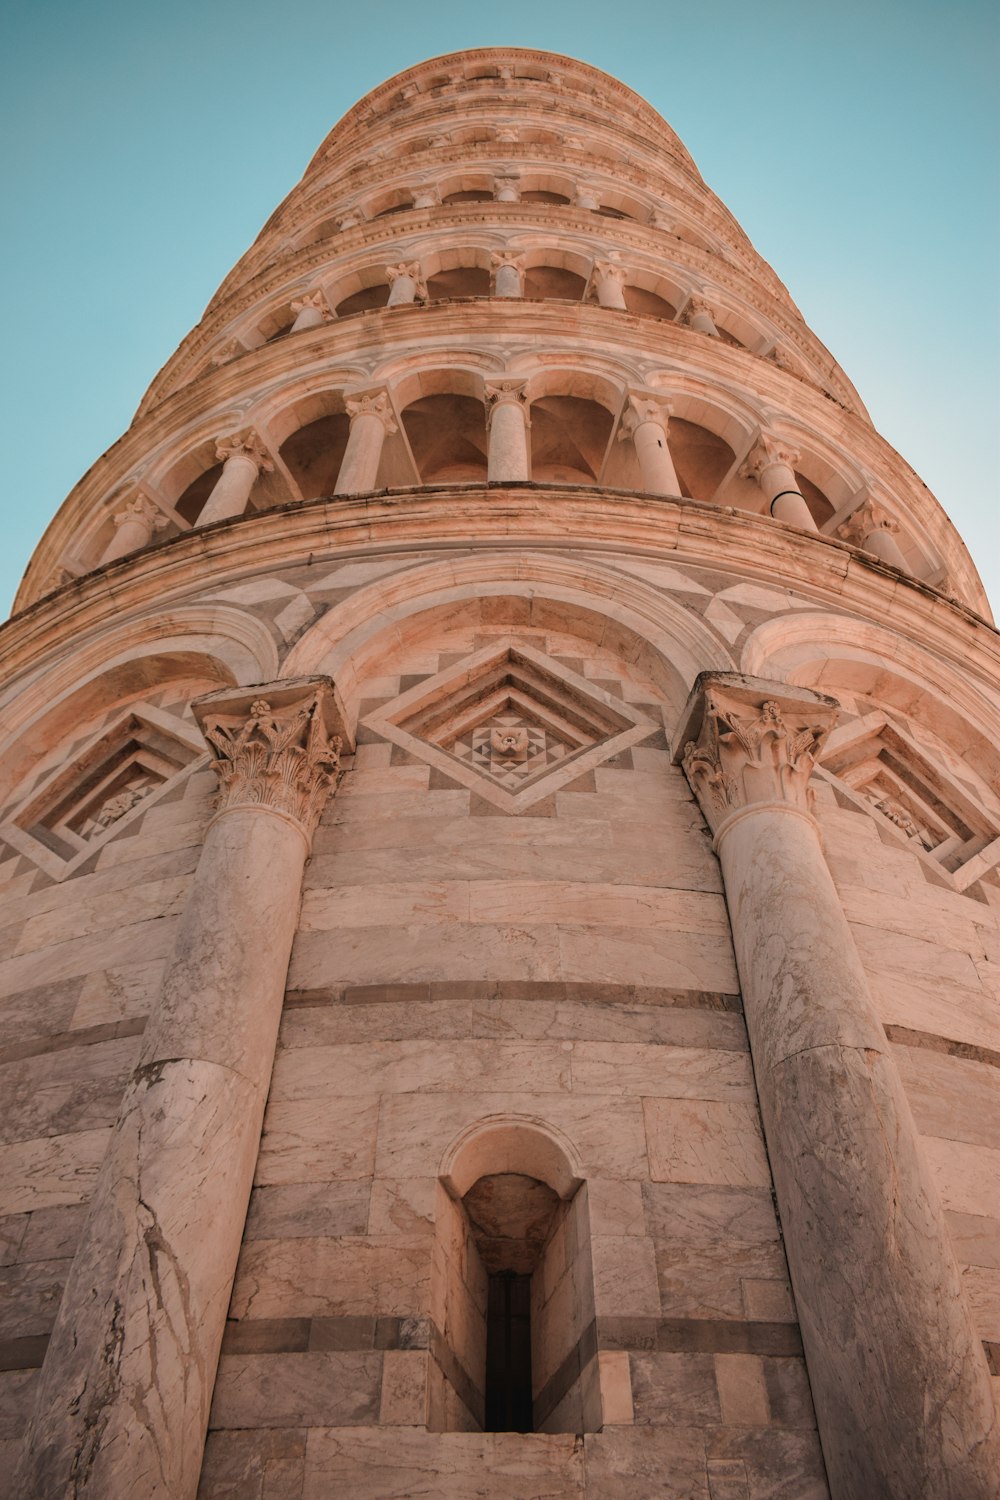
(104, 788)
(892, 776)
(511, 724)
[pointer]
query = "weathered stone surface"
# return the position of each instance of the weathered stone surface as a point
(267, 1464)
(307, 1390)
(399, 1463)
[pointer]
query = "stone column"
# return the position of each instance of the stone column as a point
(125, 1390)
(310, 312)
(371, 421)
(698, 315)
(243, 457)
(899, 1380)
(406, 284)
(426, 195)
(350, 217)
(508, 456)
(874, 529)
(508, 273)
(507, 188)
(586, 196)
(608, 282)
(770, 463)
(645, 422)
(134, 525)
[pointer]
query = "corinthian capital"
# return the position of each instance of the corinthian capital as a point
(608, 270)
(314, 300)
(140, 509)
(745, 742)
(411, 270)
(861, 523)
(245, 444)
(504, 393)
(372, 404)
(500, 258)
(767, 450)
(275, 747)
(640, 409)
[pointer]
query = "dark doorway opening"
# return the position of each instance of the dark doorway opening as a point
(508, 1354)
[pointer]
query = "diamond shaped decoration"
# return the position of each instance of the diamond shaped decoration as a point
(511, 724)
(887, 774)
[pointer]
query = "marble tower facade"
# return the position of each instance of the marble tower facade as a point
(499, 860)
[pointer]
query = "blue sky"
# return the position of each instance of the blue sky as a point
(145, 145)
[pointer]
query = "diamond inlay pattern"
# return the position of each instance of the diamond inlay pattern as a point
(510, 749)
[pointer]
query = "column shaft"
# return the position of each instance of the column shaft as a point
(508, 457)
(507, 282)
(898, 1375)
(371, 419)
(232, 490)
(126, 1386)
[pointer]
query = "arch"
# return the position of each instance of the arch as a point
(665, 642)
(512, 1143)
(218, 643)
(834, 653)
(512, 1294)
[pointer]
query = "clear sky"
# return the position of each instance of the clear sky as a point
(145, 145)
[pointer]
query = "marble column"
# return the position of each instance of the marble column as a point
(508, 456)
(770, 462)
(508, 273)
(873, 529)
(698, 315)
(243, 457)
(134, 525)
(587, 196)
(645, 421)
(406, 284)
(608, 282)
(371, 421)
(125, 1389)
(310, 312)
(899, 1379)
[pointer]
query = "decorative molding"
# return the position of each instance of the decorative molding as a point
(274, 748)
(756, 744)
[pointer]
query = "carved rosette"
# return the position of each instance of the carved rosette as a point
(757, 745)
(275, 752)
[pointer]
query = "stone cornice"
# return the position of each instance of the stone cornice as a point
(820, 569)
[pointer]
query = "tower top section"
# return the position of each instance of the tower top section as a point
(502, 265)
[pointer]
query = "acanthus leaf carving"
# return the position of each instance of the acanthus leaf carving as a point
(754, 747)
(275, 755)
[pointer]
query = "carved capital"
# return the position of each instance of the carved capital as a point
(608, 270)
(411, 270)
(246, 444)
(500, 258)
(766, 452)
(861, 523)
(640, 409)
(142, 510)
(507, 133)
(507, 182)
(277, 747)
(315, 300)
(697, 307)
(426, 195)
(349, 218)
(373, 404)
(745, 742)
(231, 349)
(505, 393)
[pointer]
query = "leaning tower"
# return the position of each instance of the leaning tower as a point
(501, 943)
